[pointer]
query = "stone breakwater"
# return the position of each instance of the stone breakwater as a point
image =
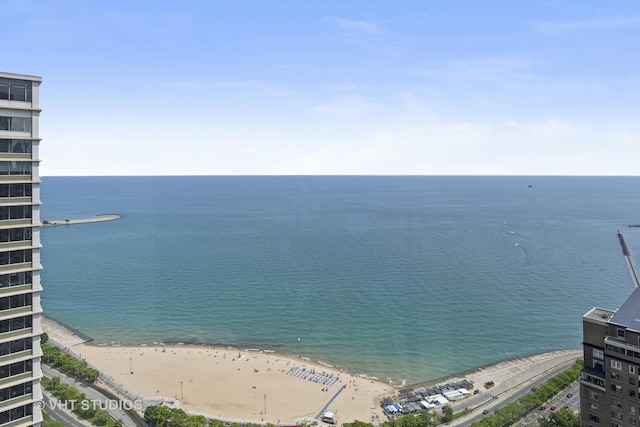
(97, 218)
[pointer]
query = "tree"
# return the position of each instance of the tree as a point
(562, 418)
(447, 414)
(157, 415)
(196, 421)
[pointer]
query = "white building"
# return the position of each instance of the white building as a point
(20, 288)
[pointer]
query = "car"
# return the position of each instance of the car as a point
(485, 412)
(476, 391)
(553, 407)
(566, 406)
(543, 407)
(570, 395)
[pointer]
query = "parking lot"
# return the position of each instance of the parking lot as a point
(570, 397)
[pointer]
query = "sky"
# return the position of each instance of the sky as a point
(331, 87)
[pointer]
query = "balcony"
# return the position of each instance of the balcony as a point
(593, 378)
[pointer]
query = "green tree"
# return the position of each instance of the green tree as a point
(562, 418)
(157, 415)
(197, 421)
(447, 414)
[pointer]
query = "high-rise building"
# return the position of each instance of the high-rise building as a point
(610, 383)
(20, 308)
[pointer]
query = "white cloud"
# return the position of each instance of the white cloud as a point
(353, 26)
(347, 107)
(595, 24)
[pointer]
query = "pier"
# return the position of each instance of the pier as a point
(627, 258)
(97, 218)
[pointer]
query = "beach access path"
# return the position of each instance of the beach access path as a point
(245, 385)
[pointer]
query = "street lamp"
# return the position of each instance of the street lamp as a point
(181, 394)
(265, 403)
(131, 365)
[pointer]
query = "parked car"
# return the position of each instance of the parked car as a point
(543, 407)
(553, 407)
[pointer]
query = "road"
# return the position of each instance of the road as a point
(58, 414)
(114, 407)
(505, 397)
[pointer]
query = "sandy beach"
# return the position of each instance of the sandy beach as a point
(253, 385)
(231, 384)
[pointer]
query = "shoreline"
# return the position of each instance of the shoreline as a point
(251, 384)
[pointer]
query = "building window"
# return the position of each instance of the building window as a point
(616, 388)
(598, 364)
(15, 124)
(15, 257)
(598, 354)
(15, 190)
(593, 395)
(16, 301)
(16, 368)
(594, 418)
(17, 146)
(16, 324)
(616, 365)
(632, 381)
(632, 409)
(16, 90)
(616, 404)
(16, 413)
(593, 406)
(15, 391)
(632, 369)
(15, 168)
(16, 346)
(620, 333)
(15, 234)
(16, 279)
(16, 212)
(616, 376)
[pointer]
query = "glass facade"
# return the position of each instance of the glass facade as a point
(15, 190)
(16, 301)
(15, 124)
(15, 257)
(15, 234)
(16, 413)
(16, 279)
(18, 146)
(15, 90)
(15, 168)
(16, 368)
(19, 246)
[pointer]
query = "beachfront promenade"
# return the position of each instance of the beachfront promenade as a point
(253, 386)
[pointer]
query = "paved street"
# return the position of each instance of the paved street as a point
(91, 394)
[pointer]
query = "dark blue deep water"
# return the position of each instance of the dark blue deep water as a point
(398, 277)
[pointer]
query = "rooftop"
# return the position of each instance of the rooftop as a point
(20, 76)
(600, 315)
(629, 314)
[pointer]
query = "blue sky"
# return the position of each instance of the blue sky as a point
(252, 87)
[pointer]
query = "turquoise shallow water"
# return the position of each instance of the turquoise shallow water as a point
(399, 277)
